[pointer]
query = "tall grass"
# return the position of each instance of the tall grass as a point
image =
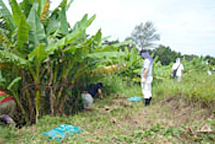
(114, 84)
(195, 86)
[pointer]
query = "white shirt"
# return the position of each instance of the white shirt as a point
(180, 68)
(147, 65)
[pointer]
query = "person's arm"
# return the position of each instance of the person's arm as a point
(146, 69)
(100, 93)
(173, 67)
(172, 70)
(145, 72)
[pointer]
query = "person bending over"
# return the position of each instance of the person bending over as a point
(90, 93)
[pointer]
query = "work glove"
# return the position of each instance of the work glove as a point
(143, 80)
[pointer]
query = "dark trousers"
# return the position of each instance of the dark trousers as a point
(147, 101)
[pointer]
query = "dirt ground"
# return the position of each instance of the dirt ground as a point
(174, 112)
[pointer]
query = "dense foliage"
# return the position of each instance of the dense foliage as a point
(43, 59)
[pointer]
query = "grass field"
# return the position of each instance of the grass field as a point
(171, 118)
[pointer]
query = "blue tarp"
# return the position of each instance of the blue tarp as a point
(62, 131)
(135, 99)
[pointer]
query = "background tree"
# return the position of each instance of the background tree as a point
(144, 35)
(210, 59)
(165, 54)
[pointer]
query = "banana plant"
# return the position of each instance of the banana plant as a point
(25, 33)
(40, 45)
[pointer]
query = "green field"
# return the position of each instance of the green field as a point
(178, 114)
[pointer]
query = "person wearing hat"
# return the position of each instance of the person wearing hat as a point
(146, 76)
(90, 93)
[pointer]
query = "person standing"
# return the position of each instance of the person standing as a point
(177, 69)
(146, 76)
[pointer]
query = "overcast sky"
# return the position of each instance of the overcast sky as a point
(186, 26)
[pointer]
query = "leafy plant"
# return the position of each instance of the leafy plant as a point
(49, 55)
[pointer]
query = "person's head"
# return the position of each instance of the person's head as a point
(99, 90)
(143, 53)
(99, 85)
(178, 60)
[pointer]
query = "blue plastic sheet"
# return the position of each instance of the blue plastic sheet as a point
(62, 131)
(135, 99)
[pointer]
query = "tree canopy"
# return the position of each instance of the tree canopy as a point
(144, 35)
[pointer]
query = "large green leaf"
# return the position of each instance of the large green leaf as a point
(16, 80)
(63, 4)
(73, 36)
(94, 42)
(6, 15)
(37, 30)
(97, 39)
(68, 6)
(64, 23)
(17, 13)
(79, 28)
(26, 5)
(88, 23)
(42, 7)
(38, 53)
(22, 33)
(105, 54)
(4, 39)
(71, 49)
(106, 48)
(122, 43)
(53, 23)
(8, 57)
(56, 45)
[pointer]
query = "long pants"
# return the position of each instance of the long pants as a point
(147, 101)
(147, 89)
(87, 99)
(178, 78)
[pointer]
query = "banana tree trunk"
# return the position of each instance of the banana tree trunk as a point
(37, 103)
(20, 105)
(50, 83)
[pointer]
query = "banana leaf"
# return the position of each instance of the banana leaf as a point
(105, 54)
(8, 57)
(22, 34)
(42, 7)
(17, 13)
(37, 32)
(5, 13)
(64, 23)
